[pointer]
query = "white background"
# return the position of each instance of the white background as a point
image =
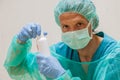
(16, 13)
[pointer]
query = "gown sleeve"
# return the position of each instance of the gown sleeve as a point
(20, 63)
(110, 67)
(113, 70)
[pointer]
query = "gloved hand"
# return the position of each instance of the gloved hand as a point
(49, 66)
(29, 31)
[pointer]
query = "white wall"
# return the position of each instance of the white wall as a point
(15, 13)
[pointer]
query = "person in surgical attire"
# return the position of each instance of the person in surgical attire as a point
(82, 54)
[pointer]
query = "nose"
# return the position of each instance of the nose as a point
(73, 29)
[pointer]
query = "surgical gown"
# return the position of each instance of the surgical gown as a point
(21, 63)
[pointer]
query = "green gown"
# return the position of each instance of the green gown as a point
(21, 63)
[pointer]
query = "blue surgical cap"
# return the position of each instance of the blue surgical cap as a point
(84, 7)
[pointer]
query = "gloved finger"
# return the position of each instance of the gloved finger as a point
(41, 62)
(25, 34)
(28, 27)
(45, 33)
(41, 68)
(34, 30)
(40, 56)
(20, 36)
(28, 30)
(45, 70)
(38, 30)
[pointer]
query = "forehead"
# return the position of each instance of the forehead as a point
(71, 15)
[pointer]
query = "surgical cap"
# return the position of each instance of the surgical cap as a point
(84, 7)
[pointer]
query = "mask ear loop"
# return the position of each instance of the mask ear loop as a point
(89, 24)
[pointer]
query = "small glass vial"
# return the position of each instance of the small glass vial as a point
(42, 45)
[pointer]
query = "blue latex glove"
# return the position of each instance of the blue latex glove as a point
(29, 31)
(49, 66)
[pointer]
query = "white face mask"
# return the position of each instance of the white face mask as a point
(77, 39)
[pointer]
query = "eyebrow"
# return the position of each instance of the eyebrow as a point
(63, 24)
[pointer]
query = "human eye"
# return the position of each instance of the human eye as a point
(79, 24)
(65, 26)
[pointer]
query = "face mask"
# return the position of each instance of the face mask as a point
(77, 39)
